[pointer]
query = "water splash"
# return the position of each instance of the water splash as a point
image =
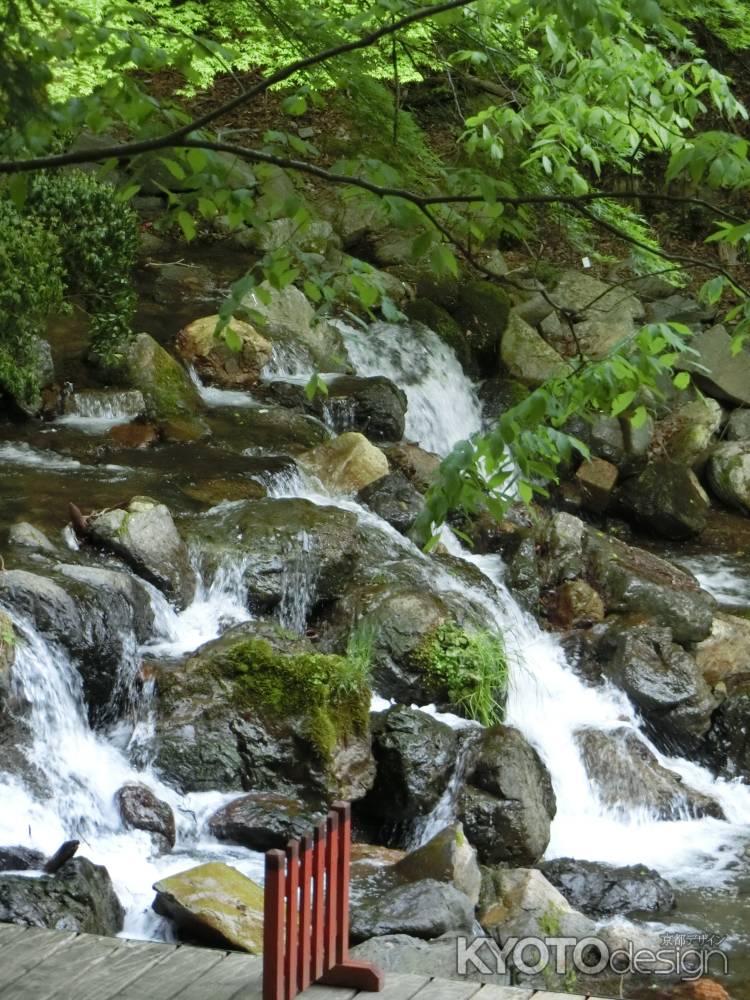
(215, 397)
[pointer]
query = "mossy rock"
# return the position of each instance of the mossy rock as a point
(482, 311)
(267, 430)
(214, 904)
(261, 708)
(444, 325)
(166, 387)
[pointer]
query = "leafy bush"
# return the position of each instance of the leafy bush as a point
(471, 668)
(31, 287)
(98, 237)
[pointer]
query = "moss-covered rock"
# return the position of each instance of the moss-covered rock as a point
(482, 311)
(729, 474)
(214, 904)
(261, 708)
(467, 669)
(164, 383)
(444, 325)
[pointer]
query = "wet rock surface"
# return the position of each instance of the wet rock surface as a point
(603, 890)
(140, 809)
(264, 822)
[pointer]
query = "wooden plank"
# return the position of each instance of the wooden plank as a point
(492, 992)
(399, 986)
(34, 946)
(57, 970)
(544, 995)
(113, 971)
(179, 968)
(236, 975)
(448, 989)
(327, 993)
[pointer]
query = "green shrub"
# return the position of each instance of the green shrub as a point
(31, 287)
(471, 668)
(98, 236)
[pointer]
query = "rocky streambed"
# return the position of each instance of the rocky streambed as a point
(231, 627)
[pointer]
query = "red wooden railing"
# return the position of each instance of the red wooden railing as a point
(306, 928)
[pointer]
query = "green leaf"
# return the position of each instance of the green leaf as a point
(174, 168)
(639, 417)
(186, 224)
(622, 402)
(681, 380)
(233, 339)
(525, 491)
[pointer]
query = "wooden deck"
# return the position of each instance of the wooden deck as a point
(38, 964)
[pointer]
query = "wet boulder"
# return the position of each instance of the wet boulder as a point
(601, 890)
(729, 738)
(27, 536)
(628, 776)
(447, 857)
(287, 319)
(374, 406)
(527, 357)
(666, 499)
(717, 370)
(79, 897)
(419, 466)
(261, 709)
(394, 499)
(631, 580)
(660, 677)
(424, 909)
(214, 904)
(21, 859)
(415, 756)
(346, 464)
(172, 400)
(482, 312)
(520, 902)
(725, 654)
(296, 553)
(98, 616)
(144, 535)
(233, 359)
(266, 431)
(140, 809)
(264, 821)
(507, 803)
(729, 474)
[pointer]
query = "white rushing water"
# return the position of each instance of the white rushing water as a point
(547, 701)
(214, 396)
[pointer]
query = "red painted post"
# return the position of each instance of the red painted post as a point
(306, 911)
(304, 976)
(292, 903)
(273, 926)
(332, 873)
(319, 876)
(344, 812)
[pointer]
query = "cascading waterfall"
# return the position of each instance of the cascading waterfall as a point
(443, 406)
(547, 701)
(97, 412)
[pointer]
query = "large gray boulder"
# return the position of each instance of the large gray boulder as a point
(141, 809)
(527, 357)
(97, 615)
(519, 902)
(666, 499)
(413, 956)
(415, 756)
(79, 897)
(729, 474)
(447, 857)
(375, 406)
(603, 890)
(716, 370)
(660, 677)
(264, 821)
(425, 909)
(628, 776)
(508, 803)
(296, 551)
(394, 499)
(604, 315)
(145, 536)
(631, 580)
(738, 425)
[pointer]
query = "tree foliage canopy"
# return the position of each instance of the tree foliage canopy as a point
(581, 111)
